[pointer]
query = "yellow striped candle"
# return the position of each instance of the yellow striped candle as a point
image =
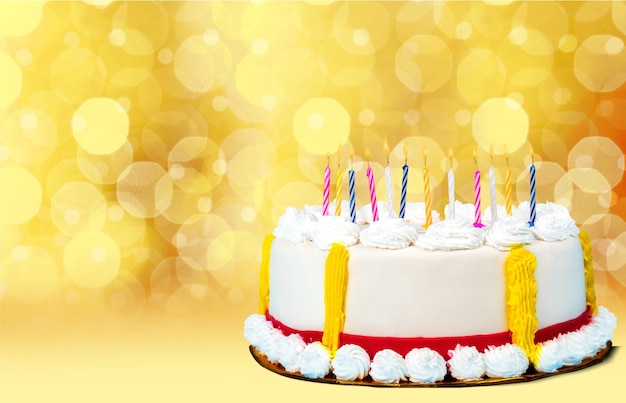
(427, 198)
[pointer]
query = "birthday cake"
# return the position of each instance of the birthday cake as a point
(388, 302)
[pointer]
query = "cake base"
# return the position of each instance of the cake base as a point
(448, 381)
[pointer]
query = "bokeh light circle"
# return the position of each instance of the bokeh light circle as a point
(78, 74)
(10, 80)
(596, 162)
(20, 18)
(418, 52)
(480, 75)
(136, 189)
(201, 66)
(498, 122)
(92, 259)
(599, 61)
(78, 206)
(320, 125)
(30, 274)
(100, 126)
(21, 195)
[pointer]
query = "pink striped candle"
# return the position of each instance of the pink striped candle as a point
(326, 189)
(477, 218)
(370, 178)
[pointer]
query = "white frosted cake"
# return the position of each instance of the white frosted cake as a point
(390, 302)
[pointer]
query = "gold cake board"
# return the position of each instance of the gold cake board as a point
(448, 381)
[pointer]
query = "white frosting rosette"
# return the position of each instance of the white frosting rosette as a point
(295, 225)
(573, 347)
(334, 229)
(466, 363)
(425, 365)
(451, 234)
(259, 332)
(289, 349)
(555, 227)
(388, 367)
(464, 211)
(365, 216)
(509, 232)
(415, 213)
(351, 362)
(392, 233)
(500, 213)
(505, 361)
(314, 361)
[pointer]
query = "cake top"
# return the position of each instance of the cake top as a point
(553, 223)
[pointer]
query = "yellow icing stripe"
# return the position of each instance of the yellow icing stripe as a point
(521, 296)
(335, 285)
(590, 291)
(264, 278)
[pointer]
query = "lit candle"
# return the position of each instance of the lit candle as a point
(338, 184)
(533, 190)
(389, 183)
(326, 188)
(405, 177)
(477, 219)
(508, 191)
(351, 189)
(492, 189)
(450, 187)
(370, 178)
(427, 198)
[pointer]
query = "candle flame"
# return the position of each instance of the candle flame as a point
(450, 157)
(475, 158)
(406, 149)
(425, 155)
(532, 154)
(506, 151)
(339, 155)
(491, 153)
(474, 155)
(367, 155)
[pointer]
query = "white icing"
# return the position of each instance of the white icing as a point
(452, 234)
(466, 363)
(351, 362)
(415, 213)
(463, 211)
(509, 232)
(554, 227)
(314, 361)
(550, 357)
(505, 361)
(256, 330)
(333, 229)
(289, 349)
(425, 365)
(295, 225)
(571, 348)
(392, 233)
(365, 216)
(500, 214)
(388, 367)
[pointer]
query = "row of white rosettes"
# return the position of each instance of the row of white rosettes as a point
(423, 365)
(553, 223)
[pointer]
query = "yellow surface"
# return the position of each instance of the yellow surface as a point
(335, 286)
(147, 148)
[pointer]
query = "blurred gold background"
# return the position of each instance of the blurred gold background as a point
(148, 147)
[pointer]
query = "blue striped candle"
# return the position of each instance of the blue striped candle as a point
(352, 195)
(405, 175)
(533, 192)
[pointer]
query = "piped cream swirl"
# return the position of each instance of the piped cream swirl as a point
(452, 234)
(425, 365)
(351, 362)
(388, 367)
(466, 363)
(509, 232)
(333, 229)
(391, 233)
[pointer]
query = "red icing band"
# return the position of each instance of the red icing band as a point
(402, 345)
